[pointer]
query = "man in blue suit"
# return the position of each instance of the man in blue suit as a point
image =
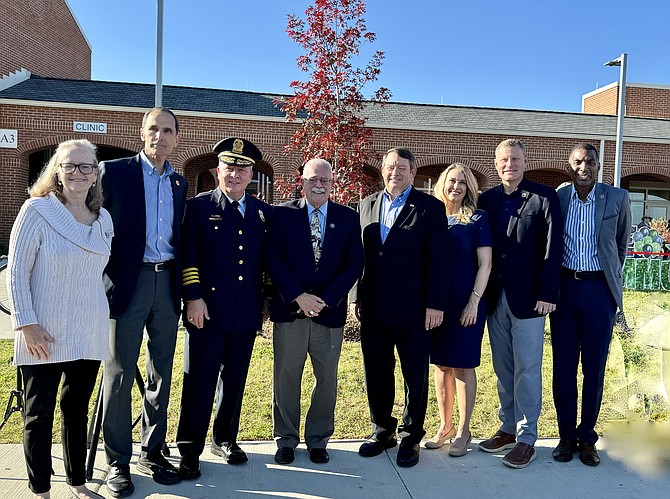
(401, 296)
(595, 239)
(314, 257)
(225, 233)
(146, 198)
(523, 288)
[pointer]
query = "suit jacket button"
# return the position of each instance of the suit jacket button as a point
(503, 255)
(381, 253)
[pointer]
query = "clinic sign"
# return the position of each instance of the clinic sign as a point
(9, 139)
(89, 127)
(646, 274)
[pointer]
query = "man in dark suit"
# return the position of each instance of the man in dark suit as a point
(146, 198)
(523, 288)
(595, 240)
(314, 257)
(399, 299)
(222, 253)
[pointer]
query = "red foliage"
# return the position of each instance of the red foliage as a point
(330, 104)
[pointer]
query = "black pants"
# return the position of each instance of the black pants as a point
(581, 327)
(41, 388)
(214, 360)
(377, 343)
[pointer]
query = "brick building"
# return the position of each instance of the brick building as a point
(38, 112)
(642, 99)
(44, 37)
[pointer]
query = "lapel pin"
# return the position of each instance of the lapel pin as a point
(602, 196)
(332, 226)
(260, 214)
(524, 194)
(177, 182)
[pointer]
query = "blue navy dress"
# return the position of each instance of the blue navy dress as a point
(453, 345)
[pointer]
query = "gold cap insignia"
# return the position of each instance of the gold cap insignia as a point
(238, 146)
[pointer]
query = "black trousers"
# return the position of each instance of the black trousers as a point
(41, 383)
(377, 343)
(581, 326)
(214, 361)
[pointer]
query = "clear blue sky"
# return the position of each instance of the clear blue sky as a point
(528, 54)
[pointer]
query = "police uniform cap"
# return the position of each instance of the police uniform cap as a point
(237, 152)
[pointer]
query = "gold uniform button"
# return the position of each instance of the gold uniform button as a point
(216, 227)
(240, 278)
(241, 262)
(240, 247)
(240, 232)
(213, 289)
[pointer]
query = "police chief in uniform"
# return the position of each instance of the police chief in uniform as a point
(224, 235)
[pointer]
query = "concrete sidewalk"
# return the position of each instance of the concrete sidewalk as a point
(349, 476)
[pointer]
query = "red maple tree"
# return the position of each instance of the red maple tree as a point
(329, 105)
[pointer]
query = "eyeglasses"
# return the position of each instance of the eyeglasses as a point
(314, 180)
(84, 168)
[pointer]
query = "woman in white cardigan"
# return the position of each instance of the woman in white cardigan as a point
(58, 250)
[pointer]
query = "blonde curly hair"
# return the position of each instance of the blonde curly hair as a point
(469, 204)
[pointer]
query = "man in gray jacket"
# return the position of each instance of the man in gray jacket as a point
(595, 237)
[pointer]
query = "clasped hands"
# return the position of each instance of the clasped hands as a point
(311, 305)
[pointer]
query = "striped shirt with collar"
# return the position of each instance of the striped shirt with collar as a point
(580, 243)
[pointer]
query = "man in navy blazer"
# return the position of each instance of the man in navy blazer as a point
(225, 238)
(523, 288)
(146, 199)
(595, 240)
(314, 257)
(401, 296)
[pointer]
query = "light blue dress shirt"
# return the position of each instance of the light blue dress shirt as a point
(390, 210)
(159, 208)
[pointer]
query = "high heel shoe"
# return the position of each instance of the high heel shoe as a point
(438, 440)
(82, 494)
(459, 447)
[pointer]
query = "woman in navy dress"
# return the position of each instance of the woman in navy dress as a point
(456, 345)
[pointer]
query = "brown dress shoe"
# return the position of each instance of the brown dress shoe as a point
(588, 454)
(564, 450)
(520, 456)
(498, 442)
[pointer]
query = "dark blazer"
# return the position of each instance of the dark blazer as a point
(123, 191)
(408, 273)
(229, 279)
(527, 253)
(613, 220)
(292, 267)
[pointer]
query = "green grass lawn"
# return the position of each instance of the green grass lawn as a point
(632, 384)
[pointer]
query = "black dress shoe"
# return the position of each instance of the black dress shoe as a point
(118, 481)
(588, 454)
(285, 455)
(189, 467)
(408, 454)
(319, 456)
(564, 450)
(159, 468)
(230, 452)
(375, 445)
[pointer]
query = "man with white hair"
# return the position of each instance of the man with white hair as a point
(314, 257)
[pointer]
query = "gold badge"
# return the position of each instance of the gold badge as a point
(238, 146)
(260, 214)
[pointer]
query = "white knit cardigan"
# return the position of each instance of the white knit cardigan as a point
(55, 269)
